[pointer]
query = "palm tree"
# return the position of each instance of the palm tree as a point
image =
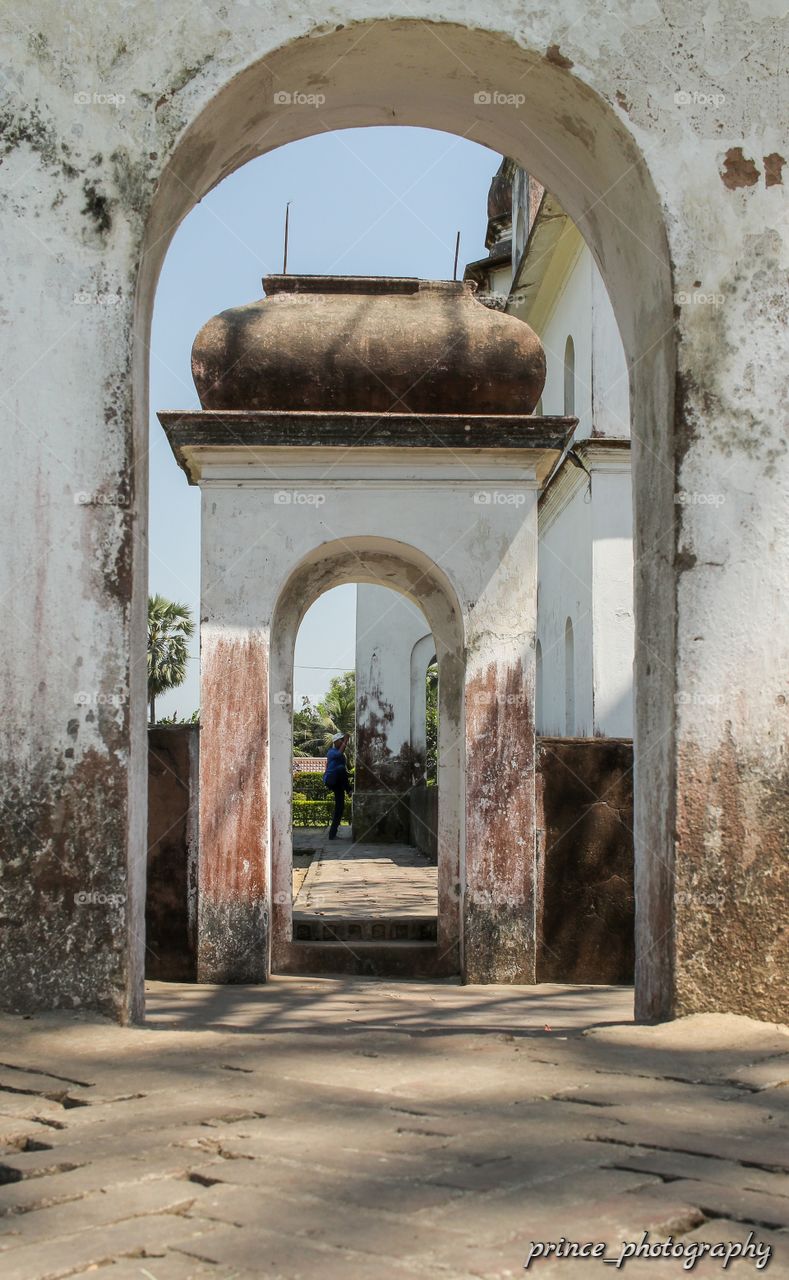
(170, 626)
(337, 710)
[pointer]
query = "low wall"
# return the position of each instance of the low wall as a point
(423, 820)
(381, 817)
(585, 860)
(171, 897)
(584, 854)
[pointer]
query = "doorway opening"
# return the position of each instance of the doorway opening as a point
(364, 809)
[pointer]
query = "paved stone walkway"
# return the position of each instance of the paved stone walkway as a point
(349, 880)
(323, 1128)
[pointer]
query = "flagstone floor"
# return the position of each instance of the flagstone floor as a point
(319, 1129)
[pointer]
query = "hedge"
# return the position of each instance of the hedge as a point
(317, 813)
(310, 785)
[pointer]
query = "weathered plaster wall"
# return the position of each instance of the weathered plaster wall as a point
(387, 627)
(669, 159)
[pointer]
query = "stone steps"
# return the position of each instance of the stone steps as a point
(370, 930)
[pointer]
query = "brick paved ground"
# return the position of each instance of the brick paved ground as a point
(341, 1128)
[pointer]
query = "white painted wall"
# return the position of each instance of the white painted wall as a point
(565, 591)
(388, 625)
(612, 601)
(585, 559)
(610, 384)
(571, 316)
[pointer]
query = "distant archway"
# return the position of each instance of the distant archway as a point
(404, 569)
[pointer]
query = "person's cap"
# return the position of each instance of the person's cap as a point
(338, 737)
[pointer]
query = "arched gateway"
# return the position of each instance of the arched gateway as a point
(680, 203)
(374, 430)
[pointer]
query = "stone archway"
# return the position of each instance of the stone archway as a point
(564, 133)
(406, 569)
(589, 104)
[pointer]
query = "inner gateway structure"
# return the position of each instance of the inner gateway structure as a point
(380, 431)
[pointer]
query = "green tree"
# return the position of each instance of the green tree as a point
(338, 708)
(308, 730)
(315, 726)
(170, 627)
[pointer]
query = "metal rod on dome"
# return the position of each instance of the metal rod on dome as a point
(457, 251)
(285, 253)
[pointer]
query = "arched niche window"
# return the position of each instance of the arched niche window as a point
(569, 378)
(538, 689)
(569, 679)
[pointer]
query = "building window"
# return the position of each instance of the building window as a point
(569, 379)
(569, 680)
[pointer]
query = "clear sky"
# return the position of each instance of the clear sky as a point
(383, 201)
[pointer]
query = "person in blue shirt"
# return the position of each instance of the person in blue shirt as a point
(336, 779)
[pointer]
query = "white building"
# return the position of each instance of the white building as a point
(585, 560)
(540, 269)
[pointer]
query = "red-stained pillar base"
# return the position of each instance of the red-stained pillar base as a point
(499, 901)
(233, 888)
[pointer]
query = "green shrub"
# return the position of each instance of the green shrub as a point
(310, 785)
(317, 813)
